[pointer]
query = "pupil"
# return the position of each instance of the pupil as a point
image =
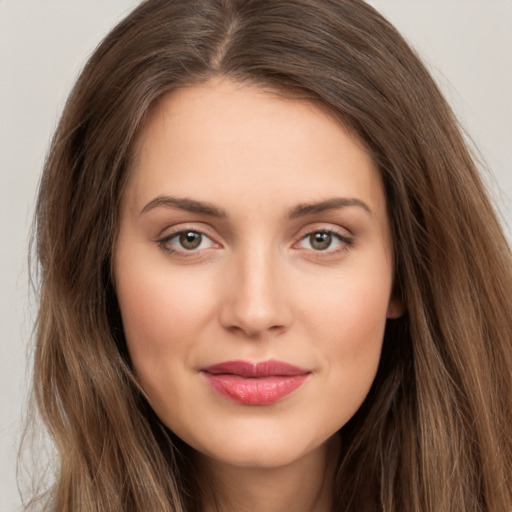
(190, 240)
(320, 241)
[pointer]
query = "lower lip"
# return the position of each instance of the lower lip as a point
(255, 390)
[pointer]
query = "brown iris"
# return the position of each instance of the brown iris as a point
(320, 241)
(190, 240)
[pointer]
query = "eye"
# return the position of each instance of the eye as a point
(324, 240)
(187, 240)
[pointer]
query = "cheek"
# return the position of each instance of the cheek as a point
(162, 311)
(355, 337)
(349, 319)
(163, 316)
(351, 306)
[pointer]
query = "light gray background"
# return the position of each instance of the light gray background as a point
(467, 44)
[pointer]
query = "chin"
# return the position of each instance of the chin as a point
(257, 457)
(259, 448)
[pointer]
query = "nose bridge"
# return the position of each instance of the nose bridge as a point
(255, 302)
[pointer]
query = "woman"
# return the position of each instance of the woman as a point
(270, 275)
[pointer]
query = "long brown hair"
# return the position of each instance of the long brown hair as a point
(434, 434)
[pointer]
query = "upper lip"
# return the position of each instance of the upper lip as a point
(270, 368)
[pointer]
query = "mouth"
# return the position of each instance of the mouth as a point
(262, 383)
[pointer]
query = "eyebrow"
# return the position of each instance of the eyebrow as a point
(329, 204)
(301, 210)
(189, 205)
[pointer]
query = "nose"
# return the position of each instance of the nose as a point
(255, 299)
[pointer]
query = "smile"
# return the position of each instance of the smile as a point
(261, 383)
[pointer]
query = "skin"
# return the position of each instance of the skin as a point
(258, 286)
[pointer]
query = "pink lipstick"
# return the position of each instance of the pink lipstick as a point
(261, 383)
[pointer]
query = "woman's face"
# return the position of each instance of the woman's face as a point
(254, 270)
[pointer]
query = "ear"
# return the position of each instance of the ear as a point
(395, 309)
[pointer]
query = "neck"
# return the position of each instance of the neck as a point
(305, 485)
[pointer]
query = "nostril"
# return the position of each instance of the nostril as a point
(256, 333)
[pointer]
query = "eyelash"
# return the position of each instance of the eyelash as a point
(345, 241)
(163, 243)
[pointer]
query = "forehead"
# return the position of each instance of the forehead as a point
(221, 137)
